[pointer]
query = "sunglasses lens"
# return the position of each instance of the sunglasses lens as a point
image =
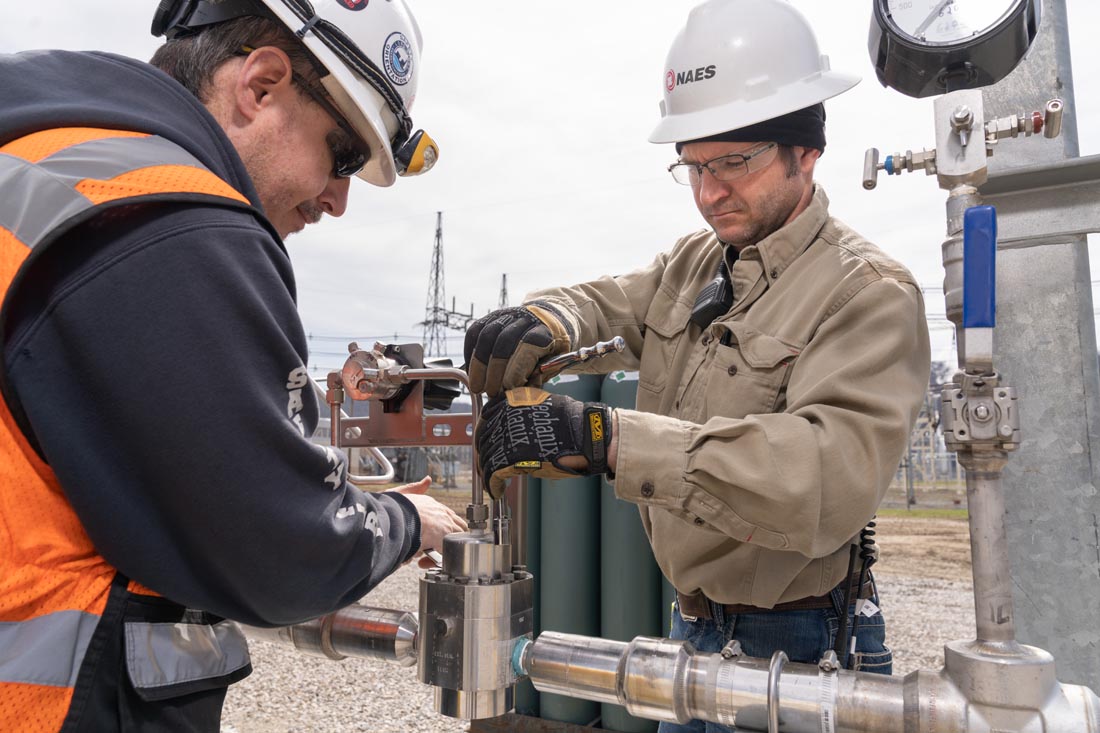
(347, 157)
(348, 163)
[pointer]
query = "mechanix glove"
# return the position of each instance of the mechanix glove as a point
(503, 349)
(528, 431)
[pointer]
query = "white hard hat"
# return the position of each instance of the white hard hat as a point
(370, 50)
(739, 62)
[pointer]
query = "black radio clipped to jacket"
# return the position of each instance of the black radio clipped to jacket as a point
(715, 299)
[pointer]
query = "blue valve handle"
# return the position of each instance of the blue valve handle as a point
(980, 267)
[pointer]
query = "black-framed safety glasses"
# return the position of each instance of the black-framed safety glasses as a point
(347, 157)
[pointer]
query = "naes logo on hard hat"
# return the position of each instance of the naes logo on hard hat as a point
(397, 58)
(354, 4)
(674, 78)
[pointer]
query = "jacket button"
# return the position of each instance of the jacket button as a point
(774, 273)
(647, 489)
(706, 339)
(732, 370)
(699, 522)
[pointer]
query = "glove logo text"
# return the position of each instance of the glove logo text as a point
(595, 422)
(542, 425)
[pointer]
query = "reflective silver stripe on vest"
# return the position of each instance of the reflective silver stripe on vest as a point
(164, 654)
(40, 196)
(46, 650)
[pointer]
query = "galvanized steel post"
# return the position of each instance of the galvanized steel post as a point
(1046, 199)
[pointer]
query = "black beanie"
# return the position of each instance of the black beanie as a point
(803, 128)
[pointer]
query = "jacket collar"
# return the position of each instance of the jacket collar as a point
(779, 249)
(760, 264)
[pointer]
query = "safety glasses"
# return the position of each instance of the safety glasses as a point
(347, 157)
(413, 152)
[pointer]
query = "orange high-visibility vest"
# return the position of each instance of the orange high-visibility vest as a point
(54, 586)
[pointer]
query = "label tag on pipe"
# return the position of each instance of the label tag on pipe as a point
(827, 702)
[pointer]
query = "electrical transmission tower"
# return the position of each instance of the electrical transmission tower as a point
(503, 291)
(435, 312)
(437, 317)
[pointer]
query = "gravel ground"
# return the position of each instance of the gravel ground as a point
(293, 693)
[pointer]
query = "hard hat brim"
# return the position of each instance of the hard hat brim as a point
(684, 127)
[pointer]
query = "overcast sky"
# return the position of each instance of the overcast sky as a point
(542, 111)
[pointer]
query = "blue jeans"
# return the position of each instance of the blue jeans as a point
(804, 635)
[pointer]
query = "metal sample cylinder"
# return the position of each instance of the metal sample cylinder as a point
(355, 631)
(472, 613)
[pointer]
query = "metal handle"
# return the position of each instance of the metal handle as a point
(1052, 118)
(406, 374)
(870, 168)
(775, 671)
(552, 366)
(979, 267)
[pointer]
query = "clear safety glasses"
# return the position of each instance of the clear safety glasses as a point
(724, 167)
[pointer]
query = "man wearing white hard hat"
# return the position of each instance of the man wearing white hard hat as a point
(157, 476)
(782, 359)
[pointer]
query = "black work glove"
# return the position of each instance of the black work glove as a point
(528, 431)
(503, 349)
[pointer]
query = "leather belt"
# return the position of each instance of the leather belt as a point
(696, 606)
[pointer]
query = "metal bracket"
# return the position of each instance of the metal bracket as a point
(731, 649)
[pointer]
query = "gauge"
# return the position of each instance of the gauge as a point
(927, 47)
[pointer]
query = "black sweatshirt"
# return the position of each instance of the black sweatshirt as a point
(159, 358)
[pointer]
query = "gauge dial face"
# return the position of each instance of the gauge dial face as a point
(947, 21)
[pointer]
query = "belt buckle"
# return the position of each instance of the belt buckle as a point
(689, 619)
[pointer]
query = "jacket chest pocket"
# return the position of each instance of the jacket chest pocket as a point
(665, 324)
(749, 372)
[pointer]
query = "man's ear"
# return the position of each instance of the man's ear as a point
(807, 158)
(265, 77)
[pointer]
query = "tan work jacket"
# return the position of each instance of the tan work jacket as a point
(763, 444)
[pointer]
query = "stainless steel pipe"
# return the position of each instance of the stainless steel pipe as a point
(668, 680)
(428, 373)
(336, 413)
(355, 631)
(663, 679)
(993, 604)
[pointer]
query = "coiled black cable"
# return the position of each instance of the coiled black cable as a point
(868, 557)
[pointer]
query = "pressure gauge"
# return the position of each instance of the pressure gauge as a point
(927, 47)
